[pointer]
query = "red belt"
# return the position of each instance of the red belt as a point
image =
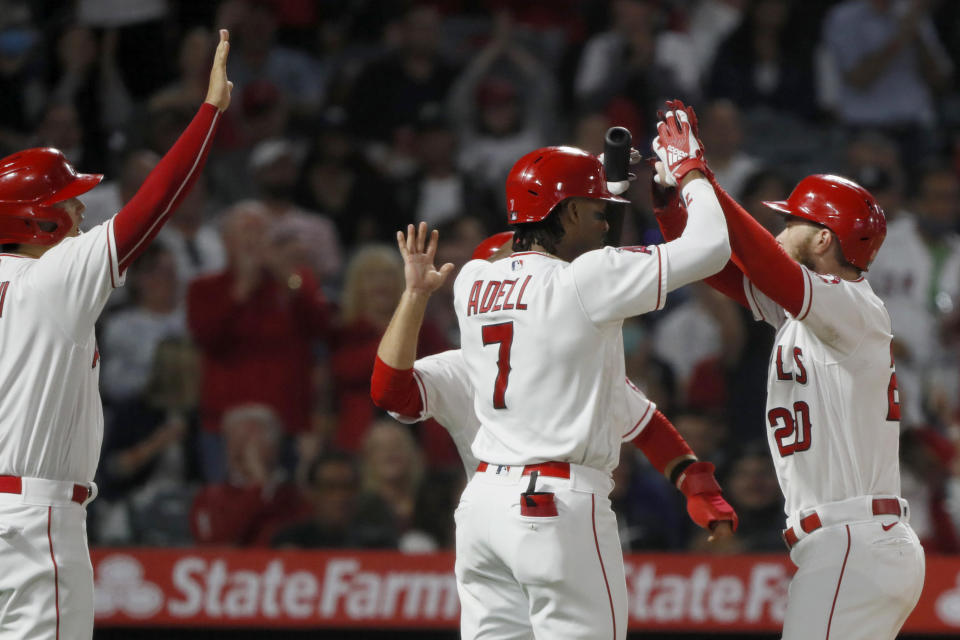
(546, 469)
(881, 507)
(13, 484)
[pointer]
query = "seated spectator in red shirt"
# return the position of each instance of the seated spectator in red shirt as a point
(255, 324)
(256, 500)
(392, 468)
(371, 292)
(342, 516)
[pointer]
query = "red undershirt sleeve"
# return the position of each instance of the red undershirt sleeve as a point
(672, 219)
(139, 221)
(395, 390)
(761, 258)
(661, 443)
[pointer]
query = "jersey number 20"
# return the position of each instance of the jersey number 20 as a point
(501, 334)
(792, 428)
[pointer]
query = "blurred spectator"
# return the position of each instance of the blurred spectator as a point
(630, 62)
(890, 62)
(149, 455)
(142, 50)
(927, 477)
(342, 517)
(750, 485)
(650, 513)
(651, 374)
(722, 135)
(917, 275)
(338, 183)
(275, 167)
(130, 336)
(873, 161)
(709, 24)
(371, 291)
(502, 105)
(258, 56)
(90, 80)
(439, 192)
(256, 499)
(22, 90)
(195, 244)
(390, 91)
(109, 197)
(255, 324)
(765, 185)
(392, 470)
(193, 63)
(763, 64)
(433, 526)
(60, 127)
(705, 327)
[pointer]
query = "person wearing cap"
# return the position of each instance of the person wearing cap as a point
(54, 283)
(833, 407)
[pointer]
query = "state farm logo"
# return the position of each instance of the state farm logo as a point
(120, 588)
(948, 605)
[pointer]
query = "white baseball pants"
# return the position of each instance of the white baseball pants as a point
(46, 579)
(856, 581)
(552, 577)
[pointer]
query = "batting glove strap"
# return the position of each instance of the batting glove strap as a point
(697, 479)
(708, 510)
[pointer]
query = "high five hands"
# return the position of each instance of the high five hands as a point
(418, 255)
(218, 91)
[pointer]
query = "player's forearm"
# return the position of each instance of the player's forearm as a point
(761, 258)
(140, 220)
(663, 445)
(398, 347)
(704, 247)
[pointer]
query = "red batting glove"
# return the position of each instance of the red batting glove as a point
(677, 145)
(705, 505)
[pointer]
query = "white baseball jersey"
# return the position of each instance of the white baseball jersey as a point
(542, 341)
(832, 407)
(51, 418)
(902, 276)
(446, 395)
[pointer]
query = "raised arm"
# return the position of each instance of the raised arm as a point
(704, 246)
(672, 218)
(140, 220)
(393, 386)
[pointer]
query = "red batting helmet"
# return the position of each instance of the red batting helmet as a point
(845, 208)
(31, 182)
(491, 245)
(544, 178)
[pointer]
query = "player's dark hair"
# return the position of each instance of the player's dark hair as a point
(547, 232)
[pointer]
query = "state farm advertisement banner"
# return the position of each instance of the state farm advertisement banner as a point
(228, 588)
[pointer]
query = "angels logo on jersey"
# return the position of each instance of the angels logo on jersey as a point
(637, 249)
(827, 278)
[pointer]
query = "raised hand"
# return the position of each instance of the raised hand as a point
(677, 145)
(218, 91)
(418, 255)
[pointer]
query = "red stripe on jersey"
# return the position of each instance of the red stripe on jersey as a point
(56, 573)
(659, 276)
(839, 580)
(810, 298)
(529, 253)
(596, 542)
(113, 283)
(626, 436)
(423, 390)
(3, 294)
(756, 303)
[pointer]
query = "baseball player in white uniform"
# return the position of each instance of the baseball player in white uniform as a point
(439, 387)
(832, 404)
(54, 281)
(541, 335)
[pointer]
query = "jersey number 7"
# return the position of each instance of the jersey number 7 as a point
(501, 334)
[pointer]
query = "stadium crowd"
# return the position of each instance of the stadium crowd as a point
(237, 359)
